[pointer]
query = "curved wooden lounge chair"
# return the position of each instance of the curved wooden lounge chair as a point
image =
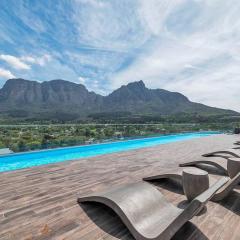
(224, 153)
(230, 166)
(176, 174)
(145, 211)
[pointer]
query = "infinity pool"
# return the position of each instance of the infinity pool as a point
(36, 158)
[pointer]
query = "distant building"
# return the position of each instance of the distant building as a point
(5, 151)
(89, 141)
(118, 134)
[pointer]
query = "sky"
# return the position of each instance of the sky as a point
(188, 46)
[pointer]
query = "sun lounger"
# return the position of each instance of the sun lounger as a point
(230, 166)
(177, 174)
(145, 211)
(224, 153)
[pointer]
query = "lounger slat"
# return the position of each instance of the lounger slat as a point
(209, 193)
(227, 188)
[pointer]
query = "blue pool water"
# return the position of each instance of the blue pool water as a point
(36, 158)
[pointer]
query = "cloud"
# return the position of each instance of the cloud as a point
(93, 3)
(153, 13)
(81, 80)
(105, 27)
(25, 62)
(14, 62)
(6, 74)
(37, 60)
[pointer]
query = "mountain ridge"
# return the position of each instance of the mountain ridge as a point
(20, 98)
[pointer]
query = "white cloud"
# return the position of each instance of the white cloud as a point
(37, 60)
(6, 74)
(81, 80)
(14, 62)
(109, 25)
(154, 13)
(94, 3)
(25, 62)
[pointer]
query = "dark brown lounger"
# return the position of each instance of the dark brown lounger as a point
(230, 166)
(176, 174)
(224, 153)
(145, 211)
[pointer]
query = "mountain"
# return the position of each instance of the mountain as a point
(60, 99)
(23, 98)
(136, 98)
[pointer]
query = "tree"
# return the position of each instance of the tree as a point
(22, 146)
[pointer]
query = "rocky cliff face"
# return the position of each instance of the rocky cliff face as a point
(58, 97)
(52, 96)
(135, 97)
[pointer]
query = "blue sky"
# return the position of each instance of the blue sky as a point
(190, 46)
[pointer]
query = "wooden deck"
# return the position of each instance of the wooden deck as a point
(41, 202)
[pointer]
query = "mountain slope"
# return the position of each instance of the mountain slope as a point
(136, 98)
(59, 99)
(47, 98)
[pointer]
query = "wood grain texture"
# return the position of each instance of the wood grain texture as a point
(41, 202)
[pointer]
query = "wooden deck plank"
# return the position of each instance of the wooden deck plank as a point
(41, 202)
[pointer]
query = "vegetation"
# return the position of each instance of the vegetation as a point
(32, 137)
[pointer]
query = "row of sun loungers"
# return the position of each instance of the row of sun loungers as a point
(144, 209)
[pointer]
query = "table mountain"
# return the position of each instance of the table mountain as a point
(60, 99)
